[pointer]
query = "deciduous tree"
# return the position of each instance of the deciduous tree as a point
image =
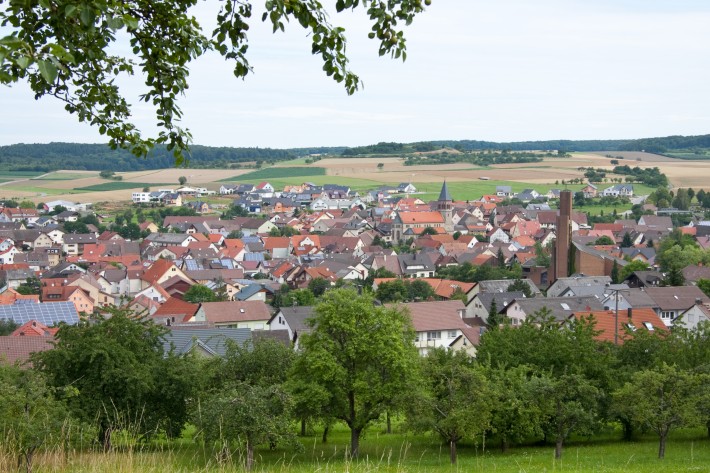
(362, 355)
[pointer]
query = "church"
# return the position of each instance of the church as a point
(410, 224)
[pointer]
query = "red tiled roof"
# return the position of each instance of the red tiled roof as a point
(605, 322)
(18, 349)
(174, 307)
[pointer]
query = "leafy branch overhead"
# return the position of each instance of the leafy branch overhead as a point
(67, 49)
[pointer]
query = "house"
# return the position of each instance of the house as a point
(501, 286)
(198, 206)
(480, 306)
(579, 286)
(619, 190)
(672, 301)
(17, 350)
(616, 327)
(406, 188)
(440, 324)
(48, 313)
(74, 243)
(526, 195)
(202, 341)
(699, 312)
(74, 294)
(589, 191)
(174, 311)
(161, 271)
(35, 329)
(504, 191)
(560, 308)
(237, 314)
(294, 320)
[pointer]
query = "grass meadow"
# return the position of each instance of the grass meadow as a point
(400, 452)
(115, 186)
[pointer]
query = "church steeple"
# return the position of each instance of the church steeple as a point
(446, 208)
(444, 195)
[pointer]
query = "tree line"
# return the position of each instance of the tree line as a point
(98, 157)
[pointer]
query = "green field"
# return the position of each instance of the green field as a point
(12, 175)
(63, 176)
(278, 173)
(115, 186)
(398, 452)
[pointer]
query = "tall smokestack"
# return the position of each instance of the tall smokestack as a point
(560, 259)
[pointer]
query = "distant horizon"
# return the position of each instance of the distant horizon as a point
(386, 141)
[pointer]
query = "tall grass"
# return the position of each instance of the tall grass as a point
(689, 450)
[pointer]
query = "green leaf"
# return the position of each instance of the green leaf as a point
(131, 22)
(48, 71)
(23, 61)
(87, 16)
(115, 23)
(70, 10)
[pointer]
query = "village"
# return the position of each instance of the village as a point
(265, 261)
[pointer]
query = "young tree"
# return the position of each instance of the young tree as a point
(615, 274)
(81, 66)
(456, 400)
(518, 285)
(114, 362)
(318, 286)
(7, 326)
(199, 293)
(660, 399)
(182, 180)
(627, 242)
(31, 416)
(363, 356)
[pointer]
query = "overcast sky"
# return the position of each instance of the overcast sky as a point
(501, 70)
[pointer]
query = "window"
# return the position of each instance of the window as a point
(649, 326)
(667, 314)
(631, 327)
(435, 335)
(416, 338)
(453, 333)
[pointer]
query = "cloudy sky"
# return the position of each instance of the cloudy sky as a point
(501, 70)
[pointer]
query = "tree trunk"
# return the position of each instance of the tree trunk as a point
(325, 434)
(708, 425)
(28, 460)
(355, 442)
(662, 446)
(504, 445)
(452, 451)
(303, 427)
(250, 456)
(558, 447)
(628, 428)
(389, 423)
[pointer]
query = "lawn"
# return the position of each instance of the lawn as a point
(278, 173)
(472, 190)
(115, 186)
(398, 452)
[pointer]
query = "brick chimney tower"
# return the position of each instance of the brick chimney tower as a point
(560, 257)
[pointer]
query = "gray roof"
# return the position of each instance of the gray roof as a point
(561, 285)
(502, 298)
(296, 317)
(215, 341)
(501, 285)
(48, 313)
(560, 307)
(444, 194)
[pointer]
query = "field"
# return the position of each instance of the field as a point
(397, 452)
(278, 173)
(114, 186)
(360, 174)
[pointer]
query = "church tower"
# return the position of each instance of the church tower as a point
(445, 206)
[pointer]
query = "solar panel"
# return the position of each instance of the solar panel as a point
(49, 313)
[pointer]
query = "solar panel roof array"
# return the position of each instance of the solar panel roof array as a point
(48, 313)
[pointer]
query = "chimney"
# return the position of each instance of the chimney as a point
(560, 259)
(629, 311)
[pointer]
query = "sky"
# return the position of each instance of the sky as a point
(498, 70)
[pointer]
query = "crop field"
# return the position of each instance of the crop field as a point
(12, 175)
(279, 173)
(65, 175)
(114, 186)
